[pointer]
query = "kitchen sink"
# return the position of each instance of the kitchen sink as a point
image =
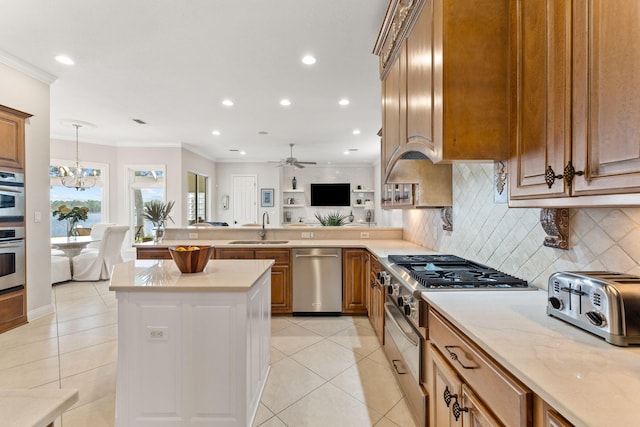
(258, 242)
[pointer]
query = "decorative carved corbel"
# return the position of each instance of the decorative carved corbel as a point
(555, 222)
(445, 215)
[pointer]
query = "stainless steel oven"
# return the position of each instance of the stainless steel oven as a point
(11, 196)
(402, 346)
(12, 264)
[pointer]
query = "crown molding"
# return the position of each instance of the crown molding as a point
(26, 68)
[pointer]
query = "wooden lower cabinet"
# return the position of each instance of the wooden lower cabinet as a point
(281, 296)
(375, 298)
(546, 416)
(355, 277)
(13, 309)
(468, 383)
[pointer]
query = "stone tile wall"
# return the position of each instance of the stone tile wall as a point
(511, 239)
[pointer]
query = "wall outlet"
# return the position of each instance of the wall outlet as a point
(193, 235)
(37, 216)
(157, 333)
(364, 235)
(306, 235)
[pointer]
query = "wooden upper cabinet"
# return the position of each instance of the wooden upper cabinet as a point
(576, 103)
(393, 111)
(606, 82)
(12, 138)
(541, 134)
(455, 92)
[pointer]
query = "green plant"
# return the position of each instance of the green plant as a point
(158, 212)
(332, 218)
(73, 215)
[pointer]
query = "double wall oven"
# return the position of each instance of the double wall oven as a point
(405, 333)
(12, 233)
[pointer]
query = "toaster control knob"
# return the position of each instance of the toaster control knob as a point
(596, 318)
(556, 303)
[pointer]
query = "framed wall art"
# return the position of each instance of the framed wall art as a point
(266, 197)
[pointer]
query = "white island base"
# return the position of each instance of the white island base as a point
(193, 349)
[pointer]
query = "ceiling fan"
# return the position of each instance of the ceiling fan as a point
(292, 161)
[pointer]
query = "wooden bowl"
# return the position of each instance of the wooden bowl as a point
(191, 261)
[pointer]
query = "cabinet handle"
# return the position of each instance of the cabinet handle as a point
(568, 175)
(447, 396)
(454, 356)
(457, 410)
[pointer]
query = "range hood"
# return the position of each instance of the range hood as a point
(432, 181)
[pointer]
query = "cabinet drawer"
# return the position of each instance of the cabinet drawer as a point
(510, 401)
(234, 254)
(281, 256)
(154, 253)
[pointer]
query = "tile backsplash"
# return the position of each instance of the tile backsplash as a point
(511, 239)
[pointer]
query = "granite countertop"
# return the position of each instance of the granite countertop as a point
(587, 380)
(34, 407)
(380, 248)
(163, 276)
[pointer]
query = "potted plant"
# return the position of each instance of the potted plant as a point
(72, 216)
(158, 213)
(331, 219)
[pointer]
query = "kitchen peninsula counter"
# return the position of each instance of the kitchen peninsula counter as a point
(588, 381)
(193, 349)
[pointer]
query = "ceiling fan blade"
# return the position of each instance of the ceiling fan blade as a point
(298, 165)
(307, 163)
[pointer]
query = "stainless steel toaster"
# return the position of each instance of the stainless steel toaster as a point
(604, 303)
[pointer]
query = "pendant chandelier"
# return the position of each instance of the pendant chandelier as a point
(76, 176)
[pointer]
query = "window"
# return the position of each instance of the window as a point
(146, 183)
(93, 198)
(196, 198)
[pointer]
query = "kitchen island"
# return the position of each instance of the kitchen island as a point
(193, 349)
(583, 378)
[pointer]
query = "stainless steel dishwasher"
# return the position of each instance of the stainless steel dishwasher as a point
(317, 281)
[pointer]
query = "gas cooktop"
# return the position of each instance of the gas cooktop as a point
(452, 272)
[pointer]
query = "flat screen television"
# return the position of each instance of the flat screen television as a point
(331, 194)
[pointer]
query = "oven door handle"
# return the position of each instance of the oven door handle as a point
(16, 190)
(390, 308)
(11, 245)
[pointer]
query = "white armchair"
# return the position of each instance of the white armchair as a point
(60, 269)
(97, 265)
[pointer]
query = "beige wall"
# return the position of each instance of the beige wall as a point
(511, 239)
(26, 94)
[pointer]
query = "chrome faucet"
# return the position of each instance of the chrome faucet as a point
(262, 232)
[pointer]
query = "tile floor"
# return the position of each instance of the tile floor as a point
(324, 371)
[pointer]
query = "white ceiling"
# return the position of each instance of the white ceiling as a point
(171, 63)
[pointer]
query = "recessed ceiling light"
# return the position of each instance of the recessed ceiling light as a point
(309, 59)
(356, 131)
(242, 153)
(216, 133)
(63, 59)
(285, 102)
(346, 153)
(227, 103)
(343, 102)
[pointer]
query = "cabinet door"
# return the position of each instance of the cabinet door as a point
(393, 111)
(420, 101)
(281, 289)
(540, 116)
(447, 388)
(153, 253)
(606, 87)
(12, 138)
(474, 413)
(354, 280)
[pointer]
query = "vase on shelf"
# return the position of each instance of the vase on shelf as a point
(72, 229)
(294, 183)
